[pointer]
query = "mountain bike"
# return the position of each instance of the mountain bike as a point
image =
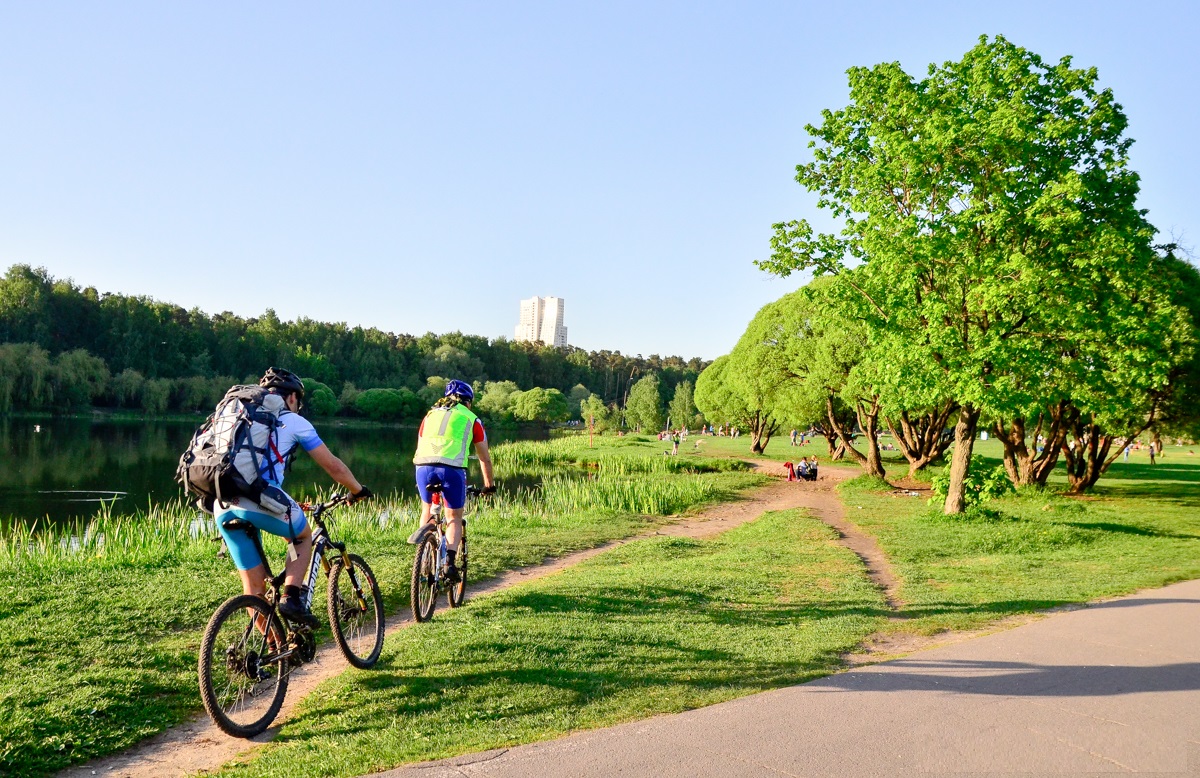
(249, 651)
(428, 574)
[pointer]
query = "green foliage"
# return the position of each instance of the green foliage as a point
(982, 483)
(537, 404)
(389, 404)
(575, 397)
(644, 408)
(79, 378)
(159, 340)
(603, 418)
(682, 408)
(495, 400)
(991, 239)
(319, 398)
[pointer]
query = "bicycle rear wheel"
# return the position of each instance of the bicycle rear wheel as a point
(242, 682)
(356, 611)
(458, 592)
(424, 578)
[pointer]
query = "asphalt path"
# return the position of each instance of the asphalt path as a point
(1111, 688)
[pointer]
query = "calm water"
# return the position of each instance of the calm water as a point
(66, 468)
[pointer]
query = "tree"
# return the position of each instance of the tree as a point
(578, 393)
(319, 398)
(981, 206)
(644, 409)
(682, 409)
(544, 405)
(599, 416)
(496, 399)
(126, 388)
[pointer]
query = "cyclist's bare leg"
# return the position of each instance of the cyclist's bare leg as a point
(453, 527)
(297, 569)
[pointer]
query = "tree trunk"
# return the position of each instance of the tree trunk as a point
(921, 441)
(843, 434)
(761, 430)
(1032, 468)
(960, 462)
(1092, 449)
(868, 420)
(831, 440)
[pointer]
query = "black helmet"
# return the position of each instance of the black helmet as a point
(285, 381)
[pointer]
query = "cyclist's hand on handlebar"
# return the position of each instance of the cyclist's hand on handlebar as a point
(488, 489)
(362, 494)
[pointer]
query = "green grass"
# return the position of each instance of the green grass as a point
(1036, 549)
(657, 626)
(661, 626)
(100, 623)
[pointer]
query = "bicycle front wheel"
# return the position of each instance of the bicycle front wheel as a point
(458, 591)
(356, 611)
(242, 679)
(424, 578)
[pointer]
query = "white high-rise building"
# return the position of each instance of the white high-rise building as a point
(542, 320)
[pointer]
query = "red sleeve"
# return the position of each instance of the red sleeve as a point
(477, 434)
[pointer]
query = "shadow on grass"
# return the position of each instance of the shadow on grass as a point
(1131, 529)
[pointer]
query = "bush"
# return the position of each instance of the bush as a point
(982, 485)
(391, 404)
(319, 398)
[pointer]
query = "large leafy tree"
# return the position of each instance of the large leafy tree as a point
(981, 206)
(682, 408)
(644, 409)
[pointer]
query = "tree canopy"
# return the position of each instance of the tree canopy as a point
(989, 231)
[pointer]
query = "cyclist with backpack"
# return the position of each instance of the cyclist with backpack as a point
(448, 430)
(275, 511)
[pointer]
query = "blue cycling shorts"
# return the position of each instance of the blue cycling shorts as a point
(453, 481)
(241, 547)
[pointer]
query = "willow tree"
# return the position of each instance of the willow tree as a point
(971, 202)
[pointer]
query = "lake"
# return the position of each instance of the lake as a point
(67, 468)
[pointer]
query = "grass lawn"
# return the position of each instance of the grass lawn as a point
(98, 643)
(657, 626)
(661, 626)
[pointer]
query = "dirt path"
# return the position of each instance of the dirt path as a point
(198, 746)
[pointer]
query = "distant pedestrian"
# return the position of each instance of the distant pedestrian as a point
(1126, 452)
(793, 437)
(675, 444)
(1150, 448)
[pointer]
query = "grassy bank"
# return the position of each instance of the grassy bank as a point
(657, 626)
(99, 623)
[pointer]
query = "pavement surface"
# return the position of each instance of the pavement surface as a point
(1112, 688)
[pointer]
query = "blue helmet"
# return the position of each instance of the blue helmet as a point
(462, 389)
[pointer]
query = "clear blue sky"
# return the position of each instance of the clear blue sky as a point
(423, 167)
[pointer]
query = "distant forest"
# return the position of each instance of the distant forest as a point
(64, 347)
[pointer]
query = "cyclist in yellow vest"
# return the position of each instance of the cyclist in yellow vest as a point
(447, 433)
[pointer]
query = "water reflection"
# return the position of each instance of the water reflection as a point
(63, 469)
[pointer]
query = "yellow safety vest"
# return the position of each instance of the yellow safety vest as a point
(445, 436)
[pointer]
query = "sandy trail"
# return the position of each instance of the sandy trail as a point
(198, 746)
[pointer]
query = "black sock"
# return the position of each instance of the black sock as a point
(292, 593)
(450, 557)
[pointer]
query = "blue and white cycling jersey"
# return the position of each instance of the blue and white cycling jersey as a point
(293, 430)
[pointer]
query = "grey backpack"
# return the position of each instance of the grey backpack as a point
(225, 457)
